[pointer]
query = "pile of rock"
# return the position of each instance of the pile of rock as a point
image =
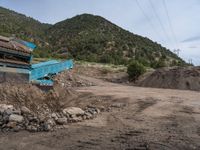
(75, 114)
(70, 79)
(183, 78)
(12, 119)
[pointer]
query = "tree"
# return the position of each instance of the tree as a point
(135, 69)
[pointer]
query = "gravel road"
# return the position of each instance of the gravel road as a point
(140, 118)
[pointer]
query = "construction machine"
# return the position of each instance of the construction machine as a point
(15, 63)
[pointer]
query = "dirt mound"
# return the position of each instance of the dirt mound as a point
(38, 101)
(45, 108)
(71, 79)
(184, 78)
(33, 97)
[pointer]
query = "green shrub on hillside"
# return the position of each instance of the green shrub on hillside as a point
(86, 37)
(135, 70)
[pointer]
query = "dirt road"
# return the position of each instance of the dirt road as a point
(140, 118)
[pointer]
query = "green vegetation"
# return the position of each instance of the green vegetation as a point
(93, 38)
(135, 69)
(105, 68)
(21, 26)
(87, 37)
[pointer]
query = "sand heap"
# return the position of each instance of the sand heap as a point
(184, 78)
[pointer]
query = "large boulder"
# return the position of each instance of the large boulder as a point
(16, 118)
(73, 111)
(25, 110)
(4, 107)
(62, 121)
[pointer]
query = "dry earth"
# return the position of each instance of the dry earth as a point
(184, 78)
(140, 119)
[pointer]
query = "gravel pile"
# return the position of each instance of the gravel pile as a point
(184, 78)
(26, 107)
(71, 79)
(16, 119)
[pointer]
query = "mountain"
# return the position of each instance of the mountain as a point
(21, 26)
(93, 38)
(86, 37)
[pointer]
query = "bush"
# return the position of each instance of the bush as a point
(135, 69)
(105, 70)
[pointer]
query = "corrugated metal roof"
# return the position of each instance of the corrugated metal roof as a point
(13, 45)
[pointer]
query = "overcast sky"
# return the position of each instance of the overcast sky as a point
(172, 23)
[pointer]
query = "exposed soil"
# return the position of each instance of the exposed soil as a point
(38, 101)
(115, 75)
(138, 118)
(184, 78)
(71, 79)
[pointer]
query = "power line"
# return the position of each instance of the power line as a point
(177, 51)
(190, 61)
(159, 20)
(148, 19)
(170, 24)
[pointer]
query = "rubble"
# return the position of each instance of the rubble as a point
(70, 79)
(27, 107)
(25, 110)
(16, 118)
(73, 111)
(62, 121)
(10, 121)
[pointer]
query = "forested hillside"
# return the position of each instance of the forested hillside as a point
(86, 37)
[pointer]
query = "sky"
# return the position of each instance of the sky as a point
(173, 23)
